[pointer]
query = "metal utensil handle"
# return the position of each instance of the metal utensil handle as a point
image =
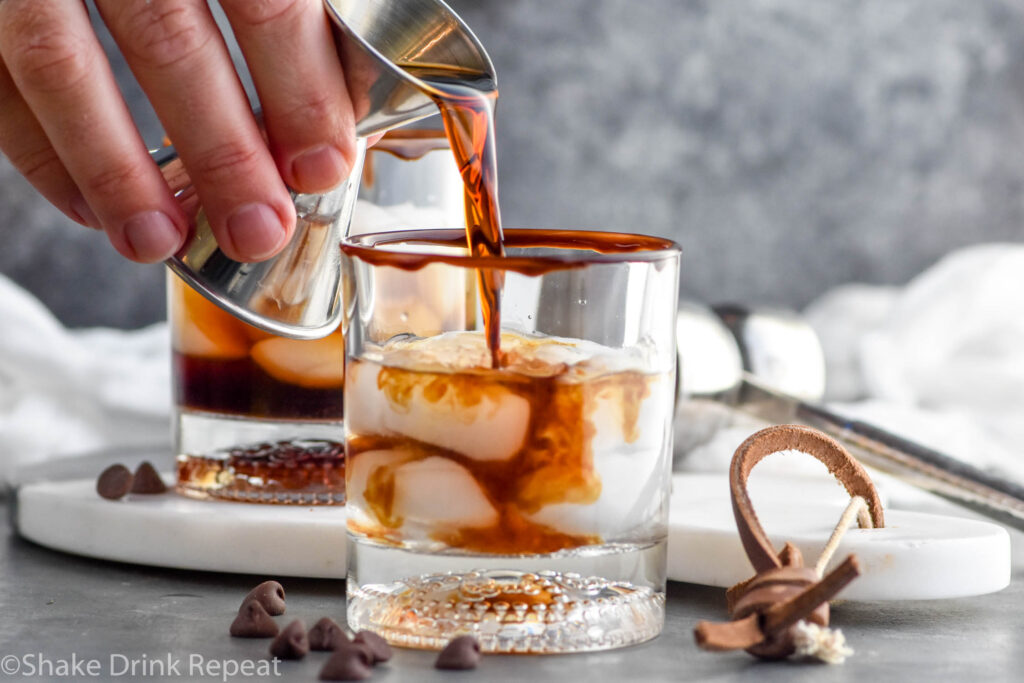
(964, 484)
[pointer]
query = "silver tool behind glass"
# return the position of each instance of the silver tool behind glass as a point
(722, 356)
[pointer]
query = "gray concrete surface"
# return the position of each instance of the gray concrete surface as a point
(57, 606)
(789, 145)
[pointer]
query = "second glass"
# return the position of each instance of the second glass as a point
(258, 417)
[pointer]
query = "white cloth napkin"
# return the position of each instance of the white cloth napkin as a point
(939, 361)
(65, 392)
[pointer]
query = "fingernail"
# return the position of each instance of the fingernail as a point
(152, 236)
(83, 214)
(255, 231)
(318, 169)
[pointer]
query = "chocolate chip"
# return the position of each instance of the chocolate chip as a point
(326, 634)
(461, 653)
(291, 643)
(378, 647)
(114, 482)
(270, 594)
(253, 622)
(147, 480)
(348, 663)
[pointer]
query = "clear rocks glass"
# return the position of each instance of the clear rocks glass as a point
(526, 502)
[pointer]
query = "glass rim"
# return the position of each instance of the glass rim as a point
(579, 248)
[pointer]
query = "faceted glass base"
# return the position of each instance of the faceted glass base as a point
(509, 611)
(286, 472)
(260, 461)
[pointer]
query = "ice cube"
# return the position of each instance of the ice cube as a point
(632, 474)
(433, 491)
(313, 364)
(359, 469)
(202, 329)
(492, 428)
(437, 491)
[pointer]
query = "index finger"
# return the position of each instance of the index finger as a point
(61, 71)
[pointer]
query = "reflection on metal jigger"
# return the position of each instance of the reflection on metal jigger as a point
(297, 293)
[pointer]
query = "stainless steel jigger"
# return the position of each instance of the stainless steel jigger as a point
(770, 365)
(297, 293)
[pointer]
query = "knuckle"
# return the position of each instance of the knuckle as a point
(111, 184)
(257, 13)
(317, 115)
(161, 35)
(317, 110)
(44, 55)
(37, 163)
(225, 163)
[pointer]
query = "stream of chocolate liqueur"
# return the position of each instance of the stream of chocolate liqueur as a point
(466, 100)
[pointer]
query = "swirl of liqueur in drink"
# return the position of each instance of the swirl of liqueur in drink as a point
(467, 99)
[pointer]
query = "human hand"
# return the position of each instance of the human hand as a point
(66, 128)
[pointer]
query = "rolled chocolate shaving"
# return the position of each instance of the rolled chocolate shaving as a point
(840, 464)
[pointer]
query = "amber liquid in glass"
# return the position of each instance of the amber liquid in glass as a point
(467, 100)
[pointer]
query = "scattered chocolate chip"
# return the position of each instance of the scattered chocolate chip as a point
(270, 594)
(460, 653)
(291, 643)
(147, 480)
(348, 663)
(253, 622)
(326, 634)
(377, 646)
(114, 482)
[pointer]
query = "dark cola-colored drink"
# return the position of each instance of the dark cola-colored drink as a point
(259, 415)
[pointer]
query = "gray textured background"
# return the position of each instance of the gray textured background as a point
(789, 145)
